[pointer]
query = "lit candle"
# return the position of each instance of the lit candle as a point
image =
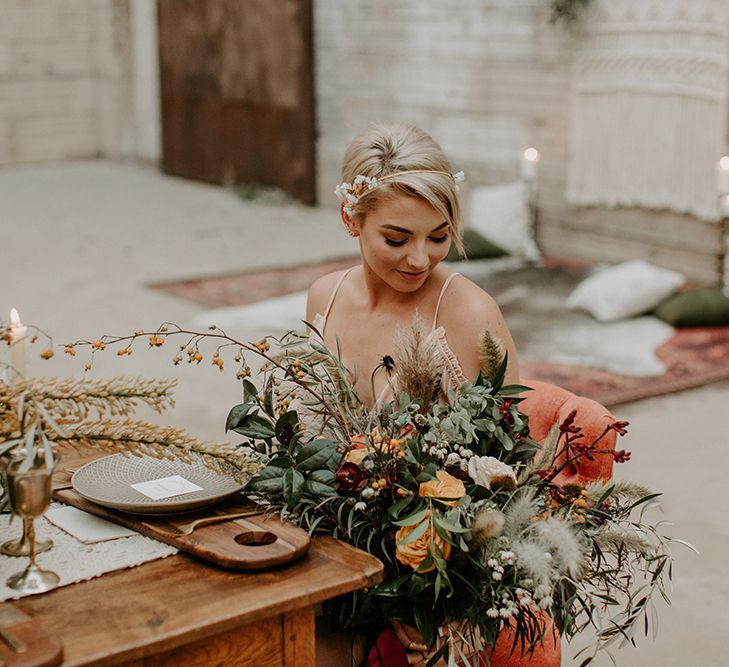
(722, 176)
(724, 206)
(18, 335)
(530, 164)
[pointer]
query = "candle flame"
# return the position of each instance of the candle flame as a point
(532, 155)
(14, 318)
(724, 163)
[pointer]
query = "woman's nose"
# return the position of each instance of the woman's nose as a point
(418, 258)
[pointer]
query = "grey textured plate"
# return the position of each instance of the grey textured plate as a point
(107, 481)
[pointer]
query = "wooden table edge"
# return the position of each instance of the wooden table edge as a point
(143, 648)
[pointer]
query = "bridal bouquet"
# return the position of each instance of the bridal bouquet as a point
(472, 519)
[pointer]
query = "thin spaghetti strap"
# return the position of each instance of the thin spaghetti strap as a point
(440, 296)
(335, 290)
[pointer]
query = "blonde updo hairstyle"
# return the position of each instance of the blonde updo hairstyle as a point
(384, 150)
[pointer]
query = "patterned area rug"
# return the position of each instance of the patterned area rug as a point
(694, 357)
(252, 286)
(532, 299)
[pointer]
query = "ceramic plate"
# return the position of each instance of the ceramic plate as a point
(108, 481)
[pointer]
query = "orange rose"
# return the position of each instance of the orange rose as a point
(445, 486)
(415, 553)
(358, 449)
(357, 455)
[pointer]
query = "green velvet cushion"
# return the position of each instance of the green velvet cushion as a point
(477, 247)
(700, 307)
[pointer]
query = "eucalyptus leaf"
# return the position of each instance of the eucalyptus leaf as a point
(293, 486)
(255, 426)
(315, 455)
(250, 392)
(416, 533)
(413, 518)
(236, 415)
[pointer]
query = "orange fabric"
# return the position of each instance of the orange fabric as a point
(548, 654)
(547, 405)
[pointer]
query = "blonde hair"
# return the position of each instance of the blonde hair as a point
(385, 151)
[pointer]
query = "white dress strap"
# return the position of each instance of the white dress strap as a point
(335, 290)
(440, 296)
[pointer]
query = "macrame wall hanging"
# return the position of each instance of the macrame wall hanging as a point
(649, 105)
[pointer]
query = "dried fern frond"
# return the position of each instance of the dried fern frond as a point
(490, 354)
(137, 437)
(74, 399)
(622, 490)
(614, 538)
(418, 362)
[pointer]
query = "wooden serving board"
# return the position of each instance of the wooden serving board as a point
(251, 543)
(38, 648)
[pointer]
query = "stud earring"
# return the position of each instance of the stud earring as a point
(351, 231)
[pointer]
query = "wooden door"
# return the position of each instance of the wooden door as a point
(237, 88)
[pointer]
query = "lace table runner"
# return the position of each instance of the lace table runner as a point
(73, 560)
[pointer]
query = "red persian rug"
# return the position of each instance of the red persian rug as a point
(694, 357)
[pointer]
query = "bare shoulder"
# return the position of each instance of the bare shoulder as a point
(467, 311)
(464, 303)
(319, 292)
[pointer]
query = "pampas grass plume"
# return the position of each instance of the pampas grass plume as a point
(531, 561)
(486, 525)
(490, 354)
(418, 362)
(518, 513)
(562, 541)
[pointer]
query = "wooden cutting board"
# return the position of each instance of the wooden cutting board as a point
(34, 647)
(251, 543)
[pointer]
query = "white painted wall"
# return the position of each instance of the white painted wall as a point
(78, 78)
(145, 81)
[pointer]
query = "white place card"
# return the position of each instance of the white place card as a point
(166, 487)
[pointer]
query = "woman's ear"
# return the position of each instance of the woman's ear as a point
(350, 224)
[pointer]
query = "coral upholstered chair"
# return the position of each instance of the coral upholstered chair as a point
(549, 404)
(546, 406)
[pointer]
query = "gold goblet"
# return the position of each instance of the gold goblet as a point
(30, 494)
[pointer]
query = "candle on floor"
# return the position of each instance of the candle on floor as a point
(722, 176)
(724, 205)
(530, 164)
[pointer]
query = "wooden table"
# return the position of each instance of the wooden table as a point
(177, 611)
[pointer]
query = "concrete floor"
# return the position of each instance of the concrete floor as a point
(80, 242)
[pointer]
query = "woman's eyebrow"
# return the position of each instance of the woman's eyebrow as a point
(402, 230)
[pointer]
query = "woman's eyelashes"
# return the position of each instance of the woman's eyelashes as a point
(398, 244)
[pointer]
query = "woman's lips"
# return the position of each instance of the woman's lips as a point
(411, 276)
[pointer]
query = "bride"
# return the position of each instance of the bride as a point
(399, 197)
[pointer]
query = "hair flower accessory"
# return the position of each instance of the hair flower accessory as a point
(351, 193)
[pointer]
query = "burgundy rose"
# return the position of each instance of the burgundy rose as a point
(350, 478)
